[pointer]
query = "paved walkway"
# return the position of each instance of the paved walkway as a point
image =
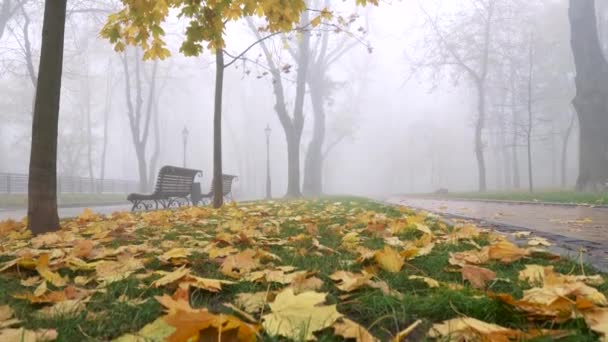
(18, 214)
(570, 226)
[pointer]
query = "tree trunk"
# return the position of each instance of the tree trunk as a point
(42, 188)
(89, 132)
(5, 14)
(481, 112)
(591, 100)
(293, 141)
(218, 190)
(515, 128)
(156, 152)
(530, 117)
(106, 119)
(564, 160)
(313, 181)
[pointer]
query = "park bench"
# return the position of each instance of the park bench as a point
(173, 187)
(226, 191)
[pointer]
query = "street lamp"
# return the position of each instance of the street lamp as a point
(185, 136)
(268, 186)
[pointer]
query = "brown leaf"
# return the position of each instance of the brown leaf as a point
(506, 252)
(348, 329)
(477, 276)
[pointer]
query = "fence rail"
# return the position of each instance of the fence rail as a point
(14, 183)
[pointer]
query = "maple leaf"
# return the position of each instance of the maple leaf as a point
(66, 308)
(477, 276)
(158, 330)
(208, 327)
(299, 316)
(597, 320)
(42, 266)
(471, 329)
(171, 277)
(389, 260)
(176, 256)
(111, 271)
(237, 265)
(506, 252)
(348, 281)
(24, 335)
(252, 302)
(348, 329)
(302, 283)
(470, 257)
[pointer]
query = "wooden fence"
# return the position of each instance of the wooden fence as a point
(14, 183)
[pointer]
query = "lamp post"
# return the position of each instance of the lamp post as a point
(268, 184)
(185, 136)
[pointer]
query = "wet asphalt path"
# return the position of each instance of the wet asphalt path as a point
(570, 227)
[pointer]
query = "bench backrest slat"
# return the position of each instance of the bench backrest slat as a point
(226, 184)
(175, 181)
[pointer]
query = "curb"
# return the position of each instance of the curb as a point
(555, 204)
(74, 205)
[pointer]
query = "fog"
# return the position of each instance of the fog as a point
(397, 120)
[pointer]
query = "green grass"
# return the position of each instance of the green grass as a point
(107, 318)
(20, 200)
(549, 196)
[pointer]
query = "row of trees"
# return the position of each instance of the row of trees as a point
(516, 58)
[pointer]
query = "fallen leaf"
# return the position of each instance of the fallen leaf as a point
(477, 276)
(237, 265)
(430, 282)
(23, 335)
(506, 252)
(171, 277)
(211, 285)
(252, 302)
(64, 309)
(348, 281)
(42, 266)
(299, 316)
(597, 320)
(348, 329)
(389, 260)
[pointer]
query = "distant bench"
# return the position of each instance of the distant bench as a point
(206, 198)
(173, 187)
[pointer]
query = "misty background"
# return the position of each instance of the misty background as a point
(398, 121)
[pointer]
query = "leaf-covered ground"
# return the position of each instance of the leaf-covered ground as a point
(290, 271)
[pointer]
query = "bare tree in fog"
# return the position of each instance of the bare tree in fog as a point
(7, 10)
(323, 55)
(591, 100)
(464, 43)
(292, 125)
(138, 112)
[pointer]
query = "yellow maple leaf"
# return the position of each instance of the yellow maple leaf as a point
(171, 277)
(42, 267)
(389, 260)
(299, 316)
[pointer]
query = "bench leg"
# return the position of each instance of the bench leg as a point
(135, 205)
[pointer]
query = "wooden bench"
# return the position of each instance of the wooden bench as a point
(227, 181)
(173, 187)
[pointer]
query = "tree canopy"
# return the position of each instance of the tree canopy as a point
(139, 22)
